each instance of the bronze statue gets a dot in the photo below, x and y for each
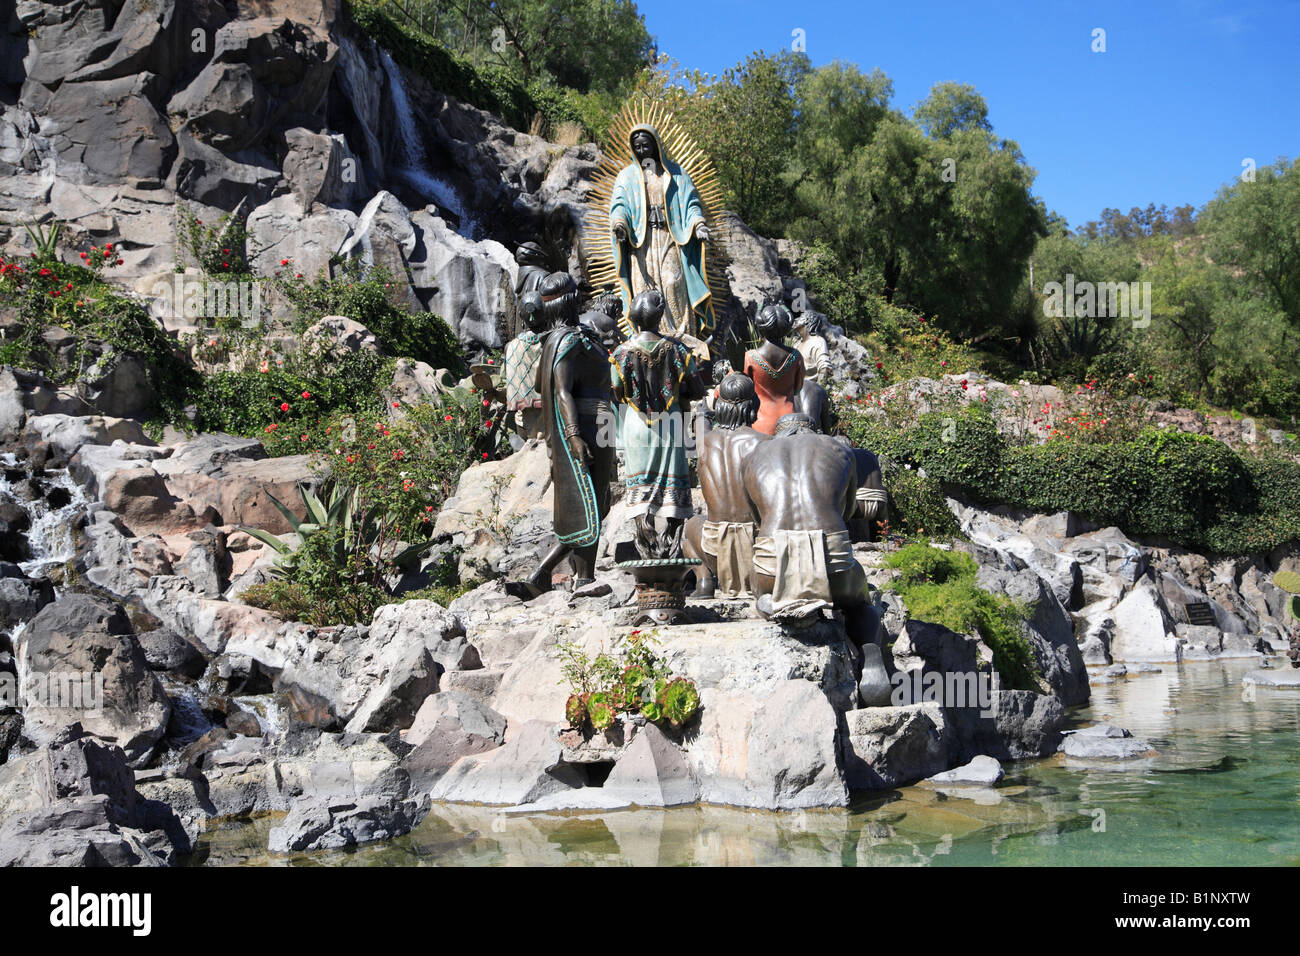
(872, 499)
(655, 378)
(802, 489)
(724, 539)
(602, 318)
(777, 370)
(573, 381)
(523, 355)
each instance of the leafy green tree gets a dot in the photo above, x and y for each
(1254, 227)
(952, 108)
(747, 125)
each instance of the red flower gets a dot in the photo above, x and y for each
(107, 252)
(880, 365)
(284, 406)
(284, 262)
(84, 256)
(306, 394)
(120, 261)
(488, 423)
(446, 418)
(485, 455)
(371, 446)
(397, 404)
(485, 403)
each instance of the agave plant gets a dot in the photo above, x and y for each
(354, 531)
(44, 241)
(679, 700)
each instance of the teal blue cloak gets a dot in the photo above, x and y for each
(684, 211)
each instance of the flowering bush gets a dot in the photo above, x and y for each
(633, 679)
(48, 293)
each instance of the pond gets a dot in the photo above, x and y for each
(1224, 790)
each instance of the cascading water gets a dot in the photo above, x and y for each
(414, 164)
(49, 538)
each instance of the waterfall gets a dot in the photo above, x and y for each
(50, 536)
(413, 163)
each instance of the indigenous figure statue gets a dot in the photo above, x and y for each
(532, 270)
(724, 539)
(720, 370)
(812, 400)
(777, 371)
(802, 488)
(523, 355)
(813, 348)
(602, 318)
(650, 224)
(573, 381)
(872, 499)
(655, 379)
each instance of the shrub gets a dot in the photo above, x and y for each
(939, 586)
(104, 323)
(366, 296)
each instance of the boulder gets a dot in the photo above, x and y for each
(1048, 630)
(73, 802)
(530, 766)
(1105, 742)
(21, 597)
(65, 434)
(1144, 629)
(887, 747)
(652, 772)
(470, 284)
(981, 772)
(85, 665)
(448, 726)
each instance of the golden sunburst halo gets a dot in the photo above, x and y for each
(617, 149)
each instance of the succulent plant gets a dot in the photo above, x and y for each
(652, 711)
(679, 700)
(600, 710)
(633, 684)
(575, 710)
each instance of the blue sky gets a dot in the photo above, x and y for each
(1185, 91)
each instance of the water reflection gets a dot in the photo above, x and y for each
(1224, 790)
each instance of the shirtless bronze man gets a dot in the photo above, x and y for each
(802, 488)
(724, 540)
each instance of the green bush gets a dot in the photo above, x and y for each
(1191, 490)
(366, 296)
(47, 293)
(939, 586)
(251, 403)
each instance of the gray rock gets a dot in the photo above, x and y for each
(888, 747)
(981, 772)
(448, 726)
(21, 597)
(67, 650)
(793, 754)
(528, 767)
(652, 772)
(874, 687)
(1105, 742)
(315, 824)
(165, 650)
(1285, 677)
(1048, 630)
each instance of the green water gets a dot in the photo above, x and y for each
(1224, 790)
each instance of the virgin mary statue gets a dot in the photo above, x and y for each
(657, 236)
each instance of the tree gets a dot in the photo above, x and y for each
(746, 122)
(951, 108)
(1255, 227)
(583, 44)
